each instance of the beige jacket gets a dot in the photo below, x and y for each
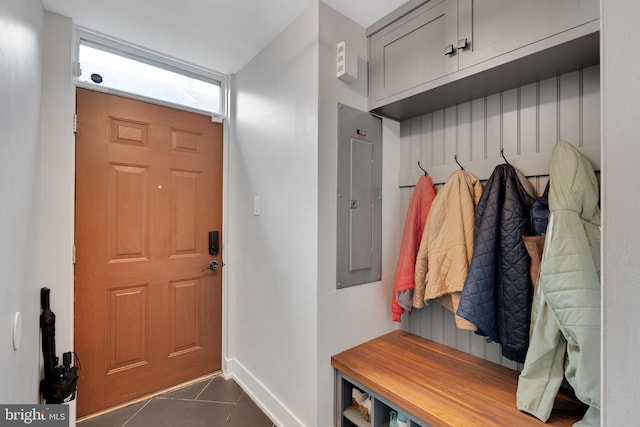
(446, 247)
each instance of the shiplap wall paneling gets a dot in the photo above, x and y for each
(526, 122)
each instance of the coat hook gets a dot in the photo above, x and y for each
(423, 169)
(502, 154)
(455, 157)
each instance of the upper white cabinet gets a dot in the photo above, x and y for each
(427, 55)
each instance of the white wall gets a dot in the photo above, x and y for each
(620, 207)
(284, 150)
(58, 170)
(272, 258)
(22, 246)
(349, 316)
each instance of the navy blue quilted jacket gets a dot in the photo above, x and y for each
(497, 293)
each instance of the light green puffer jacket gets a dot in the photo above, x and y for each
(565, 320)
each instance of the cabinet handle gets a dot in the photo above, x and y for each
(463, 44)
(449, 50)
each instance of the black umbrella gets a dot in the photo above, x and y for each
(48, 326)
(59, 383)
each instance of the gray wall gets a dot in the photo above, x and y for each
(21, 250)
(620, 206)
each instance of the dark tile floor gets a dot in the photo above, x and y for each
(214, 402)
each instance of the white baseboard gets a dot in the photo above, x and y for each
(227, 368)
(261, 395)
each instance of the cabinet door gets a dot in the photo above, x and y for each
(495, 27)
(411, 51)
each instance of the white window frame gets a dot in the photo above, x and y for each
(150, 57)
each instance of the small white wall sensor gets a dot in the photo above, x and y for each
(347, 62)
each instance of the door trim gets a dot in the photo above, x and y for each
(226, 358)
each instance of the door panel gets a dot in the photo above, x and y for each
(184, 212)
(127, 326)
(129, 212)
(148, 191)
(185, 328)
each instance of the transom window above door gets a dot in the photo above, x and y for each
(108, 69)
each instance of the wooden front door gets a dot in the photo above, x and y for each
(148, 191)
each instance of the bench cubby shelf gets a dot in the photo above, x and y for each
(380, 407)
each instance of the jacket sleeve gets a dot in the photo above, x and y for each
(431, 236)
(571, 287)
(477, 300)
(417, 213)
(543, 371)
(420, 274)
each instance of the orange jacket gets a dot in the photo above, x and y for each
(419, 206)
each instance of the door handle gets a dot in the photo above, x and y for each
(463, 44)
(213, 266)
(449, 50)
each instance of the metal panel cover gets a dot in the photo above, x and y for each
(359, 210)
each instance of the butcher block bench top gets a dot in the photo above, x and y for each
(443, 386)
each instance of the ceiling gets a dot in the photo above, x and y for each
(221, 35)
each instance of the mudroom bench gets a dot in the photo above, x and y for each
(432, 385)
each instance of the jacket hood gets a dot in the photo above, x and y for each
(573, 183)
